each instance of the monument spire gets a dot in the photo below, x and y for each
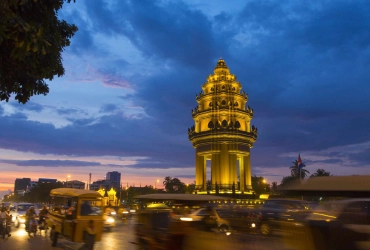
(222, 132)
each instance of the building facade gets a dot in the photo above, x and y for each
(222, 133)
(75, 184)
(47, 180)
(115, 179)
(20, 185)
(100, 184)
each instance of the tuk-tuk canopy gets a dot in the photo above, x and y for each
(73, 192)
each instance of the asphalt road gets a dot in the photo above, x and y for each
(122, 237)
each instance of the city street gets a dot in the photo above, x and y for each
(122, 237)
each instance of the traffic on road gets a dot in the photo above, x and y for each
(279, 224)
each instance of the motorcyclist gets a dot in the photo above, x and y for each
(30, 216)
(42, 215)
(4, 215)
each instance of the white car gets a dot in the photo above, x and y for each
(18, 213)
(214, 214)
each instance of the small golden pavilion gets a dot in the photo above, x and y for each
(222, 133)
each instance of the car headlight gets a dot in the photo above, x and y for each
(253, 225)
(22, 220)
(186, 219)
(110, 220)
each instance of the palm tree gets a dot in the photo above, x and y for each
(294, 171)
(321, 172)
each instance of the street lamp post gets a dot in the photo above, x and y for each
(68, 176)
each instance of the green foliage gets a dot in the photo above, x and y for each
(259, 185)
(287, 179)
(321, 172)
(41, 192)
(31, 41)
(189, 189)
(274, 188)
(173, 185)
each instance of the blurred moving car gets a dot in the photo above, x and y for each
(213, 218)
(226, 219)
(109, 222)
(342, 224)
(243, 220)
(124, 213)
(18, 213)
(282, 215)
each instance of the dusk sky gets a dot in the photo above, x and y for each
(134, 67)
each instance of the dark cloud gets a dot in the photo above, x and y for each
(69, 111)
(360, 158)
(32, 106)
(170, 31)
(184, 176)
(52, 163)
(109, 107)
(110, 135)
(126, 97)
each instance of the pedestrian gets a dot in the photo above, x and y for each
(89, 236)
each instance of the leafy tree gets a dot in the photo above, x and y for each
(274, 187)
(31, 41)
(41, 192)
(190, 188)
(173, 185)
(287, 179)
(321, 172)
(294, 171)
(131, 193)
(259, 185)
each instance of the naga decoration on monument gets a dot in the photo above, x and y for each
(222, 134)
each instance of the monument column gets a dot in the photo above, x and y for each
(248, 176)
(224, 167)
(242, 174)
(215, 169)
(232, 171)
(199, 171)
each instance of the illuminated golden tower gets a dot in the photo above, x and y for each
(222, 133)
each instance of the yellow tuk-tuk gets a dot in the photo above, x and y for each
(71, 211)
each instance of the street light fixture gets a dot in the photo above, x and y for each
(155, 184)
(68, 176)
